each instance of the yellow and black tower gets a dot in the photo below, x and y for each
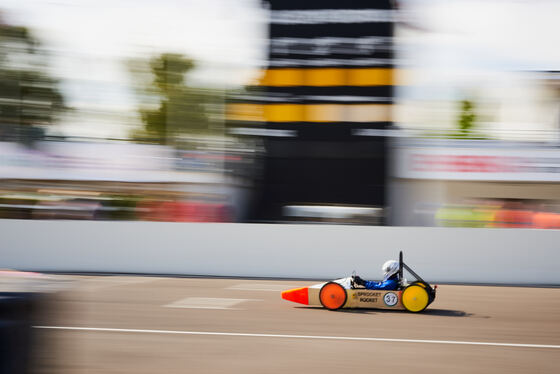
(327, 83)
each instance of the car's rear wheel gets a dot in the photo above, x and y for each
(415, 298)
(429, 289)
(333, 296)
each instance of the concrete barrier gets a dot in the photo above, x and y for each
(506, 256)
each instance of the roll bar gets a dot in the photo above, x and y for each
(405, 266)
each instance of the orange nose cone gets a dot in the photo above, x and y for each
(297, 295)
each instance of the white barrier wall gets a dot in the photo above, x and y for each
(293, 251)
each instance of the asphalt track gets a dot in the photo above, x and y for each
(119, 324)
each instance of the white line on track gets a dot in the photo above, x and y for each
(348, 338)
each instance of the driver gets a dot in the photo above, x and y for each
(390, 278)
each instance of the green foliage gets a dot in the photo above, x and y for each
(29, 97)
(467, 119)
(180, 110)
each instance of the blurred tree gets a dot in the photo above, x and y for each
(29, 97)
(467, 119)
(178, 110)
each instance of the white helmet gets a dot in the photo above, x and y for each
(389, 269)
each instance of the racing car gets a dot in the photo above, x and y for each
(344, 293)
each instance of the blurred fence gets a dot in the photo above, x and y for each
(507, 256)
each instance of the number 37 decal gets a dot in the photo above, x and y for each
(390, 299)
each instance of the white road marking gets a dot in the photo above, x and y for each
(319, 337)
(261, 287)
(207, 303)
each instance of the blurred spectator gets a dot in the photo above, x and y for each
(184, 211)
(513, 214)
(546, 220)
(465, 216)
(67, 209)
(498, 214)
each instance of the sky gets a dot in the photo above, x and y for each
(91, 40)
(489, 34)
